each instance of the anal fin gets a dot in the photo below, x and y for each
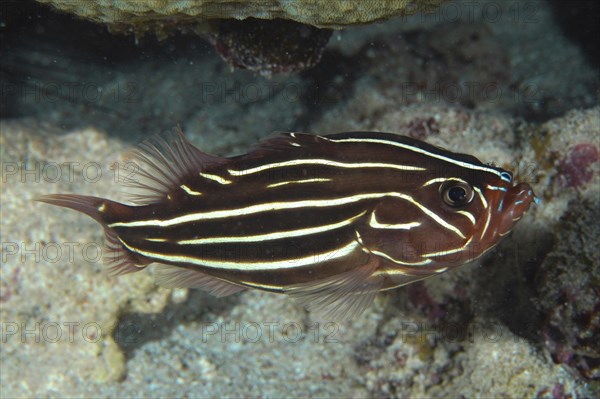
(343, 296)
(179, 277)
(118, 259)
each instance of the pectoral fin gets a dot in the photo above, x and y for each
(343, 296)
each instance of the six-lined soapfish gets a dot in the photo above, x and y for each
(329, 220)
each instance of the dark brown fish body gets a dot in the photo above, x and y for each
(330, 220)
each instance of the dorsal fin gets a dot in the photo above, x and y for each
(163, 161)
(284, 142)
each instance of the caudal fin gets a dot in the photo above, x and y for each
(82, 203)
(117, 258)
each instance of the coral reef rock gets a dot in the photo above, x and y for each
(250, 44)
(570, 291)
(319, 13)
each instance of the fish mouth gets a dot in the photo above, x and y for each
(516, 203)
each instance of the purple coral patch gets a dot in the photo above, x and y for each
(576, 166)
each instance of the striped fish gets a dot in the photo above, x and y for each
(329, 220)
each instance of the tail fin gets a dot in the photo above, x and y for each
(118, 259)
(81, 203)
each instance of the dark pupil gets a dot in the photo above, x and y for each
(457, 194)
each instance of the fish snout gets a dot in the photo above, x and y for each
(517, 201)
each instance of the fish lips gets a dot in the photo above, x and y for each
(512, 205)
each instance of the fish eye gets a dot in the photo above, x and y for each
(506, 176)
(456, 194)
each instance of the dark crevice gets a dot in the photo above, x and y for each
(61, 61)
(579, 22)
(330, 83)
(515, 291)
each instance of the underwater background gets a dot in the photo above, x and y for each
(515, 83)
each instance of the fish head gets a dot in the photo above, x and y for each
(468, 212)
